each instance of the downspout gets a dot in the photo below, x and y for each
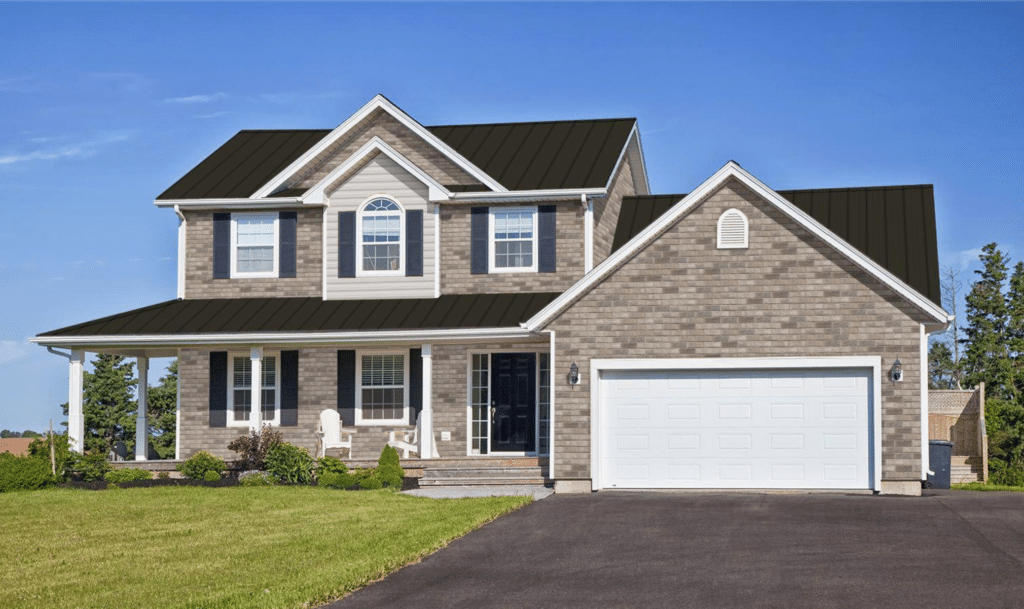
(54, 351)
(182, 236)
(588, 234)
(551, 408)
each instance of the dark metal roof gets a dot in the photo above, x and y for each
(892, 225)
(521, 156)
(245, 315)
(244, 164)
(543, 155)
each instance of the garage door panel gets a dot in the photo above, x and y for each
(735, 429)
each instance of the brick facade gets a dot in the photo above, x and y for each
(199, 281)
(606, 211)
(789, 294)
(456, 277)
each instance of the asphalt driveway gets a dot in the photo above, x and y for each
(616, 549)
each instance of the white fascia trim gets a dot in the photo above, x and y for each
(274, 338)
(202, 204)
(633, 134)
(643, 165)
(569, 194)
(317, 195)
(874, 362)
(379, 102)
(728, 171)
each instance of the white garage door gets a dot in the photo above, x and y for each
(736, 429)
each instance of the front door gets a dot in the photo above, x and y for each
(513, 402)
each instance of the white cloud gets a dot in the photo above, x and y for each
(212, 115)
(78, 150)
(196, 99)
(12, 351)
(22, 84)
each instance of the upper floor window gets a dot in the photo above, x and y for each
(240, 391)
(381, 244)
(254, 242)
(513, 239)
(733, 232)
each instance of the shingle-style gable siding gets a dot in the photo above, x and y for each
(456, 275)
(395, 134)
(606, 211)
(199, 281)
(788, 295)
(380, 176)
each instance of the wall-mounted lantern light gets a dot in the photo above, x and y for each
(896, 374)
(574, 374)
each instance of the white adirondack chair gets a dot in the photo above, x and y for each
(332, 435)
(410, 441)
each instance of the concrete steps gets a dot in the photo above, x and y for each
(482, 476)
(965, 469)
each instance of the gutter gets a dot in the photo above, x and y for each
(205, 204)
(526, 195)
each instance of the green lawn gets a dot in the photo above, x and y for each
(229, 547)
(981, 486)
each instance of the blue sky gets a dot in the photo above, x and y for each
(104, 106)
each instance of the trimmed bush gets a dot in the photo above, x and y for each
(90, 467)
(252, 449)
(372, 484)
(211, 476)
(128, 474)
(290, 464)
(336, 480)
(23, 473)
(199, 464)
(330, 465)
(256, 478)
(163, 476)
(389, 469)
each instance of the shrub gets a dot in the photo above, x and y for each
(211, 476)
(23, 473)
(252, 449)
(336, 480)
(198, 464)
(256, 478)
(330, 465)
(371, 484)
(128, 474)
(389, 470)
(163, 476)
(290, 464)
(62, 455)
(90, 467)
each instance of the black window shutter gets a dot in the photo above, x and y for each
(346, 244)
(414, 243)
(546, 238)
(415, 383)
(218, 389)
(289, 388)
(221, 246)
(347, 386)
(479, 238)
(286, 231)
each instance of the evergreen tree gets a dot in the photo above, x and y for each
(162, 412)
(985, 347)
(941, 368)
(1015, 332)
(109, 403)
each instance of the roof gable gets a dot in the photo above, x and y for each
(732, 170)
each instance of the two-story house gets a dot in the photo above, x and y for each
(517, 290)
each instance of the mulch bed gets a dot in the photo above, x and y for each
(102, 485)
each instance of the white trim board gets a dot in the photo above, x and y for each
(874, 362)
(379, 102)
(732, 170)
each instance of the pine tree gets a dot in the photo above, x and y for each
(109, 403)
(941, 368)
(162, 412)
(1015, 332)
(985, 354)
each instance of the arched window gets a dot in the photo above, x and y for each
(381, 224)
(733, 232)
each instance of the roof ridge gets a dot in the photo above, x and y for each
(835, 188)
(569, 120)
(283, 130)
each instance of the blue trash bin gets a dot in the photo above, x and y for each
(940, 456)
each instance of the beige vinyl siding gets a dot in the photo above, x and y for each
(379, 176)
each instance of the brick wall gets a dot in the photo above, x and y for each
(199, 281)
(787, 295)
(456, 277)
(606, 211)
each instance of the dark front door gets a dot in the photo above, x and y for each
(513, 401)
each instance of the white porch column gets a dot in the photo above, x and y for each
(256, 413)
(177, 413)
(76, 414)
(141, 429)
(427, 414)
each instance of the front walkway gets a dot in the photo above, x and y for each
(947, 549)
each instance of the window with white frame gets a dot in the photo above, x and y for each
(513, 239)
(543, 403)
(383, 398)
(480, 401)
(240, 391)
(254, 245)
(381, 223)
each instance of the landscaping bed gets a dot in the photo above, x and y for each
(102, 485)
